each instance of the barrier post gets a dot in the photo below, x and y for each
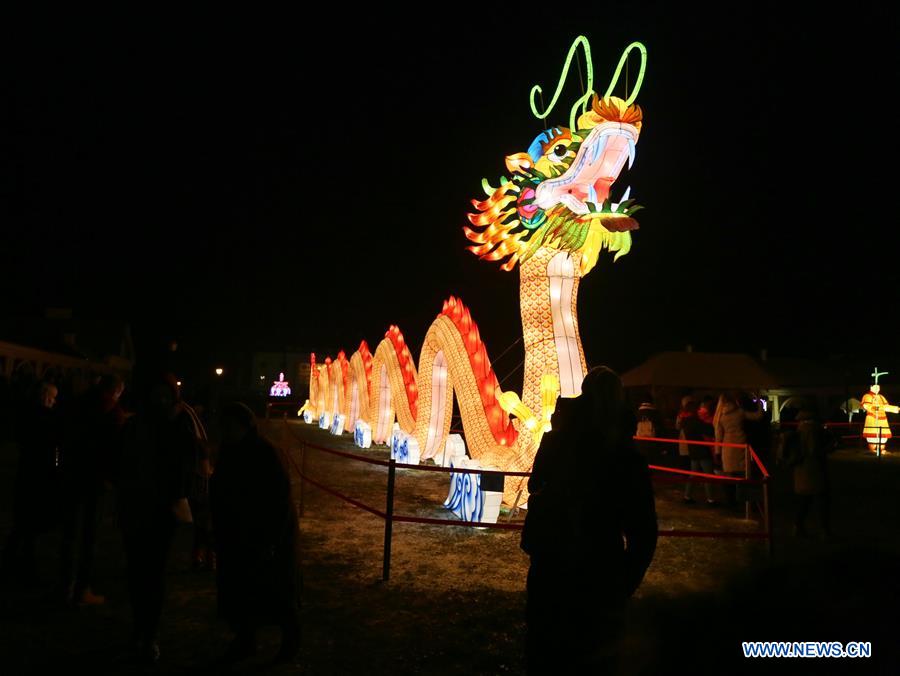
(746, 476)
(388, 521)
(768, 515)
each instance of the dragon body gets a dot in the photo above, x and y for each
(551, 217)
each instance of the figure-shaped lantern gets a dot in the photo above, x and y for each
(280, 388)
(877, 430)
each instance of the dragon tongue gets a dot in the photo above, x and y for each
(618, 223)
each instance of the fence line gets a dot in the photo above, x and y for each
(389, 517)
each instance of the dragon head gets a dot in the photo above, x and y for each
(560, 193)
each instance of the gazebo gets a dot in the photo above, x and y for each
(669, 375)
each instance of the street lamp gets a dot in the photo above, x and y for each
(219, 371)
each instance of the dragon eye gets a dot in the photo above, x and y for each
(559, 152)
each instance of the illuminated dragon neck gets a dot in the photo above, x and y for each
(548, 295)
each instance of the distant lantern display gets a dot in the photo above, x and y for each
(877, 429)
(558, 208)
(280, 388)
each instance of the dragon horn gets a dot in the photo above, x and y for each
(640, 77)
(581, 102)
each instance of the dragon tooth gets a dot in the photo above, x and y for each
(592, 194)
(599, 147)
(625, 196)
(631, 152)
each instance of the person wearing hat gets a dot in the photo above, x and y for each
(649, 425)
(255, 534)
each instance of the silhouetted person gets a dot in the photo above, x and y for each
(730, 421)
(694, 429)
(649, 424)
(158, 456)
(203, 554)
(255, 528)
(94, 425)
(686, 414)
(590, 531)
(758, 431)
(35, 505)
(807, 453)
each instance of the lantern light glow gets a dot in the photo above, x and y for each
(552, 218)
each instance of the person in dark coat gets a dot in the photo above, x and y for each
(590, 531)
(159, 453)
(93, 428)
(255, 529)
(808, 448)
(701, 457)
(35, 493)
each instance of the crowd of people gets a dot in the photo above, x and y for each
(713, 434)
(156, 460)
(589, 545)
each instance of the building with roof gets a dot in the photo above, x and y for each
(830, 385)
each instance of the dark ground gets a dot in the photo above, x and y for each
(455, 601)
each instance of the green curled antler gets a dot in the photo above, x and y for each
(640, 77)
(582, 101)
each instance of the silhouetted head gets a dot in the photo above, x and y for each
(237, 421)
(727, 402)
(605, 408)
(807, 414)
(111, 385)
(162, 397)
(47, 395)
(603, 392)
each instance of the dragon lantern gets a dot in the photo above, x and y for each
(552, 217)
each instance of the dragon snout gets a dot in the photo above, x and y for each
(518, 162)
(597, 165)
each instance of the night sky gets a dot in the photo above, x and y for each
(275, 181)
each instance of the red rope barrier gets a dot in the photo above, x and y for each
(351, 456)
(712, 534)
(448, 522)
(420, 468)
(519, 526)
(457, 470)
(341, 496)
(713, 477)
(692, 442)
(827, 425)
(762, 467)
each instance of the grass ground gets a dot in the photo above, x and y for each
(455, 601)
